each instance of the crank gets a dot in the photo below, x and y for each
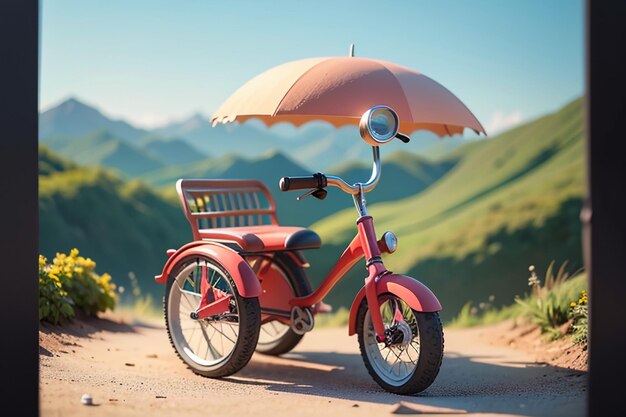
(301, 320)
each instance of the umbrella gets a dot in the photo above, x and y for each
(340, 89)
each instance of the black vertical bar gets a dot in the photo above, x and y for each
(605, 213)
(19, 20)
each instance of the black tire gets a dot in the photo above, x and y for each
(249, 316)
(300, 285)
(431, 342)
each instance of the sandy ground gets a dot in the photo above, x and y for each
(131, 370)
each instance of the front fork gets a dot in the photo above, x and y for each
(375, 268)
(371, 294)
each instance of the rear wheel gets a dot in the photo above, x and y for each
(409, 361)
(275, 337)
(219, 345)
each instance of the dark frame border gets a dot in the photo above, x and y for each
(604, 214)
(19, 36)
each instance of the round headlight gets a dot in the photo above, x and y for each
(391, 241)
(378, 125)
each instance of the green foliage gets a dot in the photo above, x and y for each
(49, 162)
(70, 284)
(54, 303)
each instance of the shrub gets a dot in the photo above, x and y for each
(54, 304)
(548, 305)
(70, 283)
(579, 314)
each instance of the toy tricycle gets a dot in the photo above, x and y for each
(241, 284)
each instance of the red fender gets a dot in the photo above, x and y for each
(417, 295)
(245, 279)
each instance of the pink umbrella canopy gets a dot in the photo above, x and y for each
(340, 89)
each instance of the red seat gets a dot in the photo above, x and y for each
(265, 238)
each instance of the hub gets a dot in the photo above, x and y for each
(399, 334)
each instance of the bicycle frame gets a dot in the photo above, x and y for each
(365, 245)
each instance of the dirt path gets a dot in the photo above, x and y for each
(133, 371)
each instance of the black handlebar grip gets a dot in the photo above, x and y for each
(315, 181)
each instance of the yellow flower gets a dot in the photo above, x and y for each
(74, 253)
(42, 260)
(572, 304)
(580, 301)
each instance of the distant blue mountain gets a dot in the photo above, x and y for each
(74, 118)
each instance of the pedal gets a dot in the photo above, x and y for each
(302, 320)
(322, 308)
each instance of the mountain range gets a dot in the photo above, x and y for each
(315, 146)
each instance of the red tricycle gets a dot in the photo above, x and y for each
(241, 285)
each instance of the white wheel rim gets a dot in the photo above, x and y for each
(395, 364)
(201, 342)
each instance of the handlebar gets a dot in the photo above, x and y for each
(315, 181)
(319, 180)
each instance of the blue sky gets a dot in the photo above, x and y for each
(153, 61)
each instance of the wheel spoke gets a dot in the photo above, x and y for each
(210, 347)
(222, 333)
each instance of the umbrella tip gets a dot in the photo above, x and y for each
(351, 50)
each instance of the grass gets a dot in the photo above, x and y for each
(472, 315)
(552, 305)
(337, 318)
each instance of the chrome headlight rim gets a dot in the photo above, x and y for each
(391, 241)
(367, 123)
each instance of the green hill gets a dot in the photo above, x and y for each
(509, 202)
(405, 174)
(124, 226)
(50, 163)
(171, 151)
(102, 148)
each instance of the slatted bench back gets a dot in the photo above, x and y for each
(225, 203)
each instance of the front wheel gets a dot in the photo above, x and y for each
(409, 361)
